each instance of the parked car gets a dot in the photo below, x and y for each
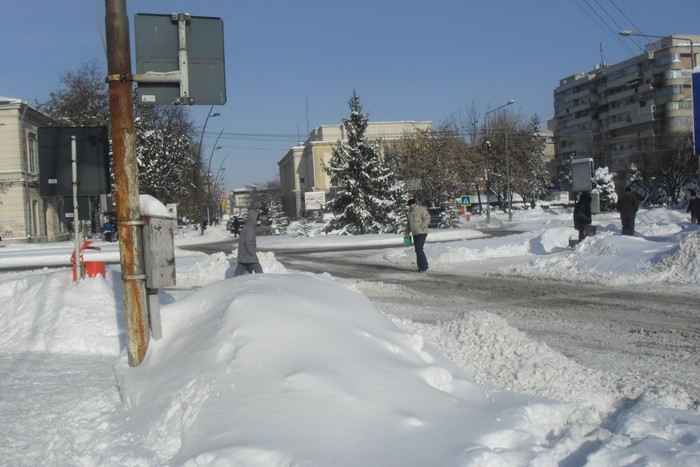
(435, 217)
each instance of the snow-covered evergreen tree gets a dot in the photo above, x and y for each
(604, 184)
(370, 198)
(303, 226)
(449, 218)
(277, 220)
(267, 202)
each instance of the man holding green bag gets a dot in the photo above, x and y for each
(418, 220)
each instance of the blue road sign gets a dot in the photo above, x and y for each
(466, 200)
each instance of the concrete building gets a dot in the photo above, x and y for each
(301, 169)
(238, 202)
(25, 216)
(627, 112)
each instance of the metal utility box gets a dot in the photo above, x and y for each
(159, 251)
(582, 175)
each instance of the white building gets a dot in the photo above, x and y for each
(25, 216)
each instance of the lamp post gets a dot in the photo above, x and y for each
(198, 175)
(211, 156)
(488, 183)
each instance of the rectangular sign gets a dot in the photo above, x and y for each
(314, 200)
(466, 200)
(157, 51)
(55, 161)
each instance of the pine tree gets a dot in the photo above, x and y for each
(370, 198)
(605, 186)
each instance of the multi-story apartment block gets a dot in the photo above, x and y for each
(301, 169)
(629, 112)
(238, 202)
(25, 216)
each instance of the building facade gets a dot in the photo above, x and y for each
(627, 112)
(25, 216)
(301, 169)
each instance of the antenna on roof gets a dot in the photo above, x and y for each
(602, 59)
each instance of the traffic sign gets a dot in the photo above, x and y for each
(466, 200)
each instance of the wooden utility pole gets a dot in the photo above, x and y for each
(129, 222)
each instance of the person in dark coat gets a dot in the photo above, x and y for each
(236, 226)
(582, 214)
(694, 208)
(108, 229)
(628, 205)
(248, 247)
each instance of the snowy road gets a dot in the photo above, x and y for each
(640, 338)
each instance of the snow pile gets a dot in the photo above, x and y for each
(307, 358)
(48, 313)
(682, 264)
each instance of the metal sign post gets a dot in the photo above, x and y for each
(78, 263)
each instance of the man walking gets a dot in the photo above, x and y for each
(248, 247)
(418, 220)
(628, 205)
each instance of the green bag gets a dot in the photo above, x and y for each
(407, 240)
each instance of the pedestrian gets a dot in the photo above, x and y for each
(582, 214)
(628, 205)
(418, 221)
(694, 208)
(107, 230)
(248, 247)
(236, 226)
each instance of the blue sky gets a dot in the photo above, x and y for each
(292, 65)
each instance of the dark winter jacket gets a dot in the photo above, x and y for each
(247, 244)
(628, 204)
(582, 211)
(694, 208)
(418, 220)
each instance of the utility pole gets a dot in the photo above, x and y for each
(129, 222)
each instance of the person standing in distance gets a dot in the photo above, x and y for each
(694, 208)
(628, 205)
(418, 220)
(248, 247)
(582, 214)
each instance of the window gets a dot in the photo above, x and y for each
(32, 163)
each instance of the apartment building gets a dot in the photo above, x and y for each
(25, 216)
(629, 112)
(301, 169)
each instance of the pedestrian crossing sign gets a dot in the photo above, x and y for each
(466, 200)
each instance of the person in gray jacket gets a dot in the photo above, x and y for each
(418, 221)
(248, 247)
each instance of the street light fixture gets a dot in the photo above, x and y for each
(198, 174)
(627, 32)
(488, 183)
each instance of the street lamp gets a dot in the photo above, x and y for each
(198, 174)
(488, 183)
(211, 156)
